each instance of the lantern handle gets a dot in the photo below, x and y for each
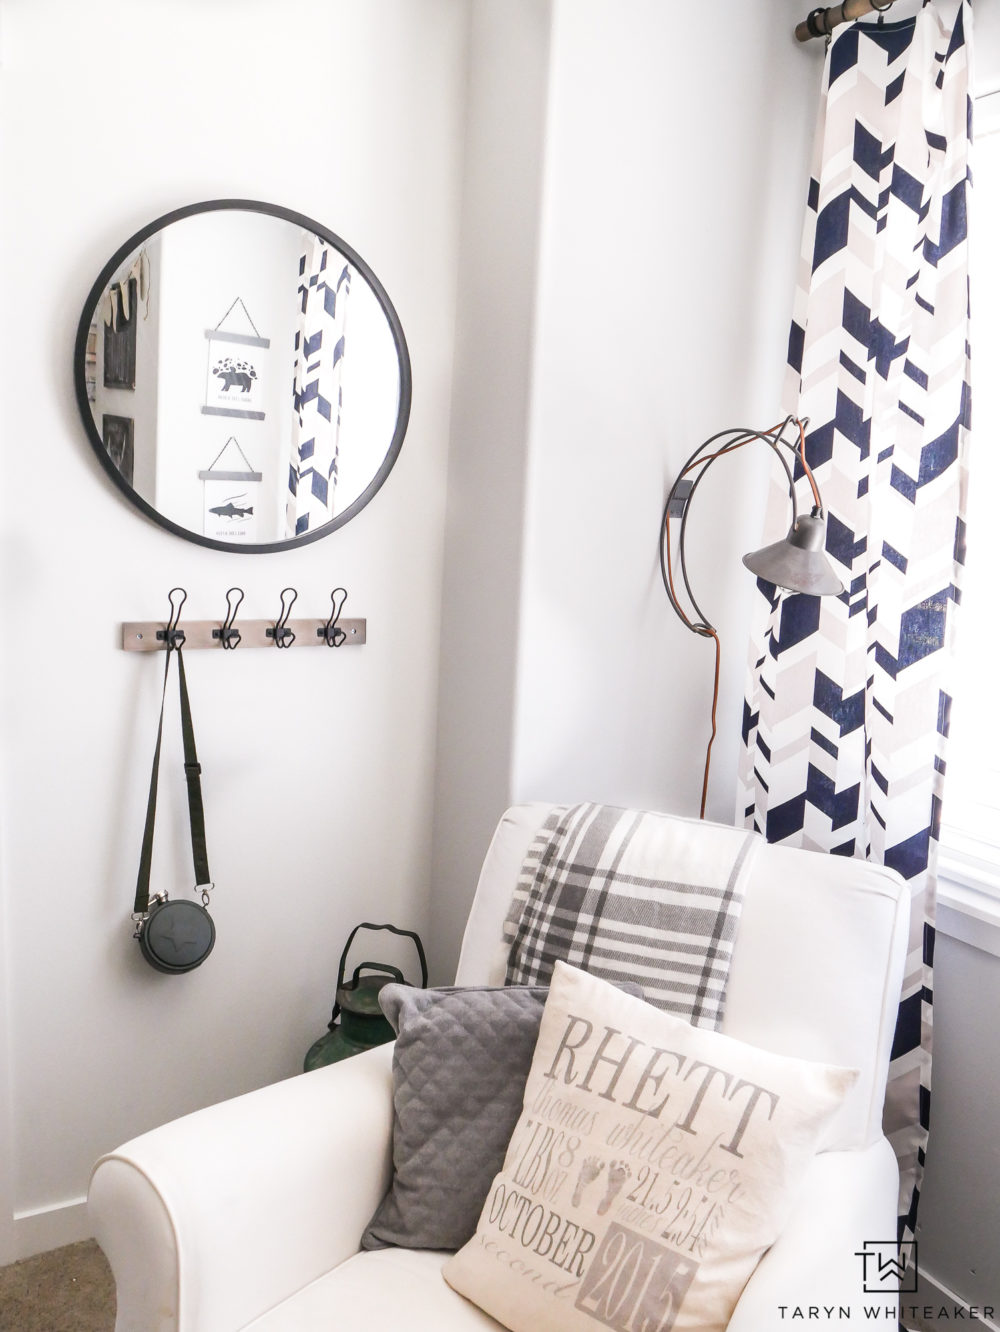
(367, 925)
(381, 967)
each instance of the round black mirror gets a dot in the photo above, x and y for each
(242, 376)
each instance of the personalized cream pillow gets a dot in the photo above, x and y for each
(652, 1165)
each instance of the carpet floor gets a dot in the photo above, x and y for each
(67, 1290)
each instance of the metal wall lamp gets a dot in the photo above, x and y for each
(797, 563)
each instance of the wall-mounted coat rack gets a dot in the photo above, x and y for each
(282, 631)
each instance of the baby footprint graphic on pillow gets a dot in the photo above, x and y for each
(618, 1173)
(590, 1168)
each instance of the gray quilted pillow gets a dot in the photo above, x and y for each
(460, 1064)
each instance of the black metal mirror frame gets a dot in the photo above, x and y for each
(80, 381)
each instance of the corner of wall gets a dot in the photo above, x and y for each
(508, 74)
(8, 1238)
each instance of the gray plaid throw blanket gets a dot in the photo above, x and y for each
(632, 896)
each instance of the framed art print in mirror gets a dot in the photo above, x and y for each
(242, 376)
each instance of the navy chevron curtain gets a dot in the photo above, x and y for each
(317, 390)
(846, 713)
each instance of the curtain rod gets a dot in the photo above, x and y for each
(821, 22)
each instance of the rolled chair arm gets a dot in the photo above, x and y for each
(847, 1198)
(213, 1219)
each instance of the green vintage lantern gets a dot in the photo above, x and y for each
(362, 1023)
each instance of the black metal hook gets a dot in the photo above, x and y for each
(231, 637)
(172, 636)
(282, 635)
(330, 633)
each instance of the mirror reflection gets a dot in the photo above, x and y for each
(243, 376)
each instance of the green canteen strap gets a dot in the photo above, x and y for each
(141, 907)
(192, 771)
(196, 812)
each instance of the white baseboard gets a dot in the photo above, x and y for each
(47, 1228)
(934, 1295)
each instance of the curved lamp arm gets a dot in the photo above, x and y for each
(797, 562)
(682, 492)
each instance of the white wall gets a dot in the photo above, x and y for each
(318, 767)
(676, 165)
(504, 144)
(609, 320)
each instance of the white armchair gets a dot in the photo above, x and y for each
(249, 1214)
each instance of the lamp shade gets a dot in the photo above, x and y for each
(798, 562)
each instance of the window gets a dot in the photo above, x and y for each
(970, 842)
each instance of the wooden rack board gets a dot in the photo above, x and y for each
(141, 635)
